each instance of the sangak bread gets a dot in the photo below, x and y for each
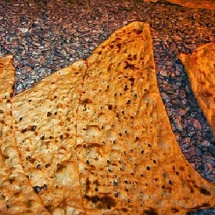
(16, 194)
(95, 138)
(205, 4)
(129, 160)
(200, 68)
(45, 129)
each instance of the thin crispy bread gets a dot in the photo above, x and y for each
(200, 68)
(102, 143)
(129, 160)
(204, 4)
(16, 194)
(45, 118)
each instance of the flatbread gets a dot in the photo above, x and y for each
(45, 129)
(16, 194)
(129, 160)
(204, 4)
(94, 138)
(200, 68)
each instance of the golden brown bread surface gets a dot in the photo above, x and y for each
(129, 160)
(95, 138)
(16, 194)
(45, 118)
(200, 68)
(204, 4)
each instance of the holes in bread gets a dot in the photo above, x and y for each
(131, 80)
(37, 189)
(128, 102)
(115, 183)
(49, 114)
(137, 138)
(204, 191)
(47, 165)
(125, 87)
(43, 137)
(170, 182)
(110, 107)
(45, 187)
(38, 166)
(116, 194)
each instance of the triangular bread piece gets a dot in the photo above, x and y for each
(16, 194)
(129, 160)
(45, 118)
(200, 68)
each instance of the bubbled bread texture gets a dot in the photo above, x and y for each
(95, 138)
